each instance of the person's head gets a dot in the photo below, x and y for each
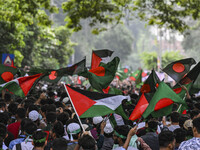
(51, 117)
(23, 123)
(182, 120)
(74, 130)
(120, 134)
(58, 130)
(30, 128)
(39, 139)
(59, 144)
(21, 113)
(196, 127)
(63, 117)
(87, 142)
(4, 117)
(12, 108)
(108, 130)
(166, 140)
(180, 135)
(174, 117)
(152, 125)
(3, 134)
(97, 120)
(51, 108)
(2, 106)
(33, 115)
(194, 114)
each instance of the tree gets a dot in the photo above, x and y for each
(168, 13)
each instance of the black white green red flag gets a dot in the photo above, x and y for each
(21, 86)
(91, 104)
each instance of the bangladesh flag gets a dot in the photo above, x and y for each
(176, 70)
(151, 83)
(123, 73)
(7, 73)
(162, 102)
(53, 76)
(140, 107)
(137, 76)
(21, 86)
(99, 56)
(187, 81)
(91, 104)
(102, 76)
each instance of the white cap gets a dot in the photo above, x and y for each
(33, 115)
(108, 128)
(97, 120)
(73, 128)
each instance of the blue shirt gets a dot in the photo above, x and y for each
(192, 144)
(16, 141)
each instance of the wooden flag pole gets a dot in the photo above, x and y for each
(74, 108)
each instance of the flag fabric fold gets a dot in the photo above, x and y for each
(91, 104)
(176, 70)
(21, 86)
(162, 101)
(99, 56)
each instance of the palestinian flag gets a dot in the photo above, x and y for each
(162, 102)
(21, 86)
(176, 70)
(102, 76)
(140, 107)
(151, 83)
(187, 81)
(7, 73)
(91, 104)
(137, 76)
(99, 56)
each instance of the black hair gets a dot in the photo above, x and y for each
(12, 108)
(165, 138)
(152, 125)
(7, 97)
(174, 116)
(24, 122)
(122, 130)
(4, 117)
(50, 101)
(180, 135)
(2, 105)
(21, 113)
(59, 144)
(3, 134)
(194, 113)
(182, 120)
(38, 135)
(30, 128)
(87, 142)
(33, 107)
(51, 108)
(51, 117)
(196, 124)
(58, 129)
(63, 117)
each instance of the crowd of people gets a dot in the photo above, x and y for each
(46, 120)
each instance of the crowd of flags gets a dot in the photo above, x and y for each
(156, 98)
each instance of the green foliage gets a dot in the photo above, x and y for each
(18, 58)
(149, 59)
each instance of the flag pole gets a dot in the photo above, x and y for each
(74, 108)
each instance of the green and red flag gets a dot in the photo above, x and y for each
(91, 104)
(176, 70)
(162, 101)
(140, 107)
(137, 76)
(7, 73)
(101, 77)
(99, 56)
(53, 76)
(151, 83)
(187, 81)
(123, 73)
(21, 86)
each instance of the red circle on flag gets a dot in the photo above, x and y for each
(53, 75)
(132, 78)
(7, 76)
(146, 88)
(164, 102)
(125, 70)
(178, 67)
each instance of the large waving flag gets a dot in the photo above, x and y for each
(176, 70)
(53, 76)
(102, 76)
(151, 83)
(7, 73)
(21, 86)
(99, 56)
(162, 101)
(91, 104)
